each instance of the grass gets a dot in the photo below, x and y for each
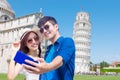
(77, 77)
(19, 77)
(94, 77)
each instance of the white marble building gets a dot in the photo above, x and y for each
(81, 36)
(10, 28)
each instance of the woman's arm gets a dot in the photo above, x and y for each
(14, 68)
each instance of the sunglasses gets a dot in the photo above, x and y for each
(46, 27)
(36, 39)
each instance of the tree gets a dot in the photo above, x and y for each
(91, 66)
(104, 64)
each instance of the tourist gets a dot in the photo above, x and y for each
(59, 59)
(29, 44)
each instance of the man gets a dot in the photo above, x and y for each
(58, 62)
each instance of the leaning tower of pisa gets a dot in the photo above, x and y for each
(81, 36)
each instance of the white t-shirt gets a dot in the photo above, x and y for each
(30, 76)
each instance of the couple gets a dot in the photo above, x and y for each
(59, 59)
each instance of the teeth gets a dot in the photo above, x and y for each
(47, 33)
(34, 45)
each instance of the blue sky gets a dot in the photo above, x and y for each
(104, 17)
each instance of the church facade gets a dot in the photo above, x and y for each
(10, 31)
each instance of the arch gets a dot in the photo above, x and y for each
(4, 18)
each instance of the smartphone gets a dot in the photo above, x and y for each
(21, 56)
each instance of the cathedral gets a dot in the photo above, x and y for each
(10, 30)
(11, 27)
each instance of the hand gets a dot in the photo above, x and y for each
(15, 48)
(16, 45)
(39, 68)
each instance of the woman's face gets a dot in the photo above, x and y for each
(32, 42)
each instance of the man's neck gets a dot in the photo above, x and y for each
(55, 38)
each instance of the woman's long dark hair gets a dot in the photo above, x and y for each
(23, 43)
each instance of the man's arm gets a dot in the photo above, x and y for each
(56, 63)
(43, 67)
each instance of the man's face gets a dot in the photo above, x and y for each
(49, 31)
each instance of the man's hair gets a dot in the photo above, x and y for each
(43, 20)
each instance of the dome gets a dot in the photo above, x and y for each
(5, 5)
(6, 13)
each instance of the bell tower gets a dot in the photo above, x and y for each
(81, 36)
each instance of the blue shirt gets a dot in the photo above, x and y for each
(65, 48)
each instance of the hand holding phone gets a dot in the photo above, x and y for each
(21, 56)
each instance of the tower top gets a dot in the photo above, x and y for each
(81, 8)
(40, 10)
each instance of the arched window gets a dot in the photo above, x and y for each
(4, 18)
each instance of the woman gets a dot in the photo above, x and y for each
(30, 45)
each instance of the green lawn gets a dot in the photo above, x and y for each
(4, 77)
(77, 77)
(94, 77)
